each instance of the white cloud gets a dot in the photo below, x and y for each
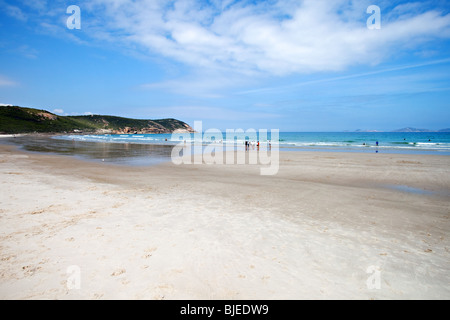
(276, 37)
(14, 11)
(6, 82)
(58, 111)
(62, 113)
(212, 85)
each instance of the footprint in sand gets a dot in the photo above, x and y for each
(118, 272)
(30, 270)
(149, 252)
(37, 212)
(162, 291)
(7, 258)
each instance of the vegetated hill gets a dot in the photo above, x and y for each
(14, 119)
(444, 130)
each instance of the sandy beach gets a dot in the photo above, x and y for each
(327, 226)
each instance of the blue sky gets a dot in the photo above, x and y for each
(288, 65)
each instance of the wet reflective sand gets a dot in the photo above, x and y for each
(116, 153)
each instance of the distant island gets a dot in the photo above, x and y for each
(420, 130)
(408, 129)
(15, 120)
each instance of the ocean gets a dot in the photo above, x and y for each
(388, 142)
(151, 149)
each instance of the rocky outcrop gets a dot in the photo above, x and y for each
(154, 127)
(47, 116)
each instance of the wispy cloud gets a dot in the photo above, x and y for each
(6, 82)
(279, 37)
(211, 85)
(346, 77)
(200, 88)
(27, 52)
(48, 17)
(59, 31)
(13, 11)
(276, 37)
(39, 5)
(209, 113)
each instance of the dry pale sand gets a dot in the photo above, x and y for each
(225, 232)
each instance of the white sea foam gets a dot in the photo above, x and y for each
(307, 141)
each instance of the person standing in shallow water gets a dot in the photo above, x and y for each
(376, 143)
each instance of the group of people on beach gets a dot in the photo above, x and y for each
(376, 144)
(252, 145)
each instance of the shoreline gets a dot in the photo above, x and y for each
(224, 232)
(141, 160)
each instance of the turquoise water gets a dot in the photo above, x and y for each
(388, 142)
